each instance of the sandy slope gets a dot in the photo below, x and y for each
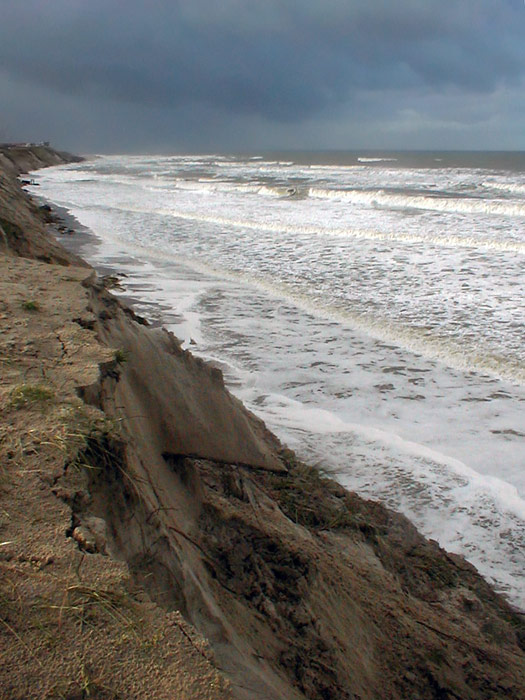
(71, 624)
(142, 506)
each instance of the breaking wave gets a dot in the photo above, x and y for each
(209, 185)
(377, 160)
(512, 187)
(384, 199)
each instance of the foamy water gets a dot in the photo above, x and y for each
(369, 309)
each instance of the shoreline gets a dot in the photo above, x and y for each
(462, 509)
(303, 590)
(157, 317)
(82, 242)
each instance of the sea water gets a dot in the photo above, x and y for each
(369, 307)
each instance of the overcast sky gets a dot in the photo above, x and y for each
(167, 75)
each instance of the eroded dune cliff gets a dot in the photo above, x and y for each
(261, 578)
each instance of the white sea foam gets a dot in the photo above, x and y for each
(446, 240)
(416, 340)
(318, 421)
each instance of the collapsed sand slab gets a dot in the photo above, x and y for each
(171, 401)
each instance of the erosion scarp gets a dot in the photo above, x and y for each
(157, 541)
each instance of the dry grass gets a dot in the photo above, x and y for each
(309, 497)
(92, 606)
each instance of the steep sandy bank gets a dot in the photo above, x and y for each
(302, 589)
(22, 159)
(71, 625)
(22, 223)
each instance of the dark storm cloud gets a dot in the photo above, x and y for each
(199, 74)
(281, 60)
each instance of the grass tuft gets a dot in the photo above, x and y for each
(30, 306)
(309, 498)
(121, 356)
(90, 605)
(27, 394)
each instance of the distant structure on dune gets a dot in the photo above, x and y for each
(24, 144)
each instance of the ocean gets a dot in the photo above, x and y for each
(368, 306)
